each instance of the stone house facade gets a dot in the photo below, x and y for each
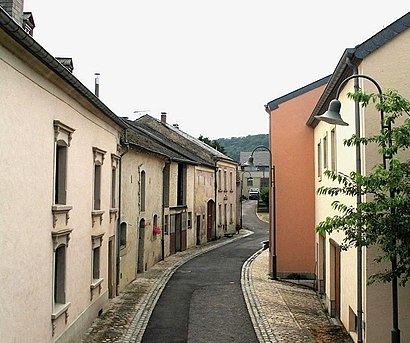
(58, 220)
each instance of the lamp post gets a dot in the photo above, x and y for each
(332, 116)
(272, 207)
(250, 177)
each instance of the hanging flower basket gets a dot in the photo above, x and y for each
(156, 230)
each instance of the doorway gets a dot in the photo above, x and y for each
(210, 222)
(141, 244)
(334, 280)
(111, 268)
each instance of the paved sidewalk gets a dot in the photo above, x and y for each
(280, 311)
(289, 312)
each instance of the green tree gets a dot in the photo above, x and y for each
(384, 219)
(212, 143)
(265, 195)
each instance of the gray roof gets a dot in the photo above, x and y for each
(272, 105)
(174, 143)
(260, 158)
(356, 55)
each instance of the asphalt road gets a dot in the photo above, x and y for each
(203, 300)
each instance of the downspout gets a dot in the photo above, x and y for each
(126, 144)
(358, 202)
(216, 195)
(163, 211)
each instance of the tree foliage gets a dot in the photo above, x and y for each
(265, 195)
(212, 143)
(234, 145)
(384, 219)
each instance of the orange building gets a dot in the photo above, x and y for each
(291, 145)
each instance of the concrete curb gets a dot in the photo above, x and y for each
(260, 323)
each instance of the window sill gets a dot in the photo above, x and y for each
(59, 309)
(96, 283)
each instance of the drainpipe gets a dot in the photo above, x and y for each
(126, 143)
(358, 202)
(163, 210)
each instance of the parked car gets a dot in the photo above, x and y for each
(254, 193)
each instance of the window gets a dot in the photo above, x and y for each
(98, 162)
(59, 275)
(166, 185)
(225, 189)
(60, 243)
(114, 167)
(96, 263)
(166, 224)
(61, 174)
(189, 220)
(319, 161)
(231, 181)
(142, 191)
(325, 153)
(333, 150)
(181, 186)
(97, 187)
(123, 235)
(220, 214)
(220, 180)
(62, 137)
(230, 214)
(96, 280)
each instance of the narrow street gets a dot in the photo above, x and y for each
(203, 300)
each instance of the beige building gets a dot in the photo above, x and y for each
(384, 57)
(59, 186)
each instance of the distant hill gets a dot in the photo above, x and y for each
(234, 145)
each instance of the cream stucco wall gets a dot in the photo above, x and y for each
(345, 163)
(204, 191)
(30, 104)
(390, 67)
(133, 164)
(226, 198)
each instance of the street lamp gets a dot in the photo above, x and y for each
(250, 178)
(332, 116)
(272, 207)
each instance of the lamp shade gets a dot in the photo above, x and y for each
(332, 115)
(249, 163)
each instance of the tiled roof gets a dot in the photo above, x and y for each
(260, 158)
(175, 141)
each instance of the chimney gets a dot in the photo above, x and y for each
(28, 23)
(163, 117)
(97, 85)
(14, 8)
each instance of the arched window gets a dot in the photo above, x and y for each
(59, 275)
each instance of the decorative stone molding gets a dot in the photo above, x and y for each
(115, 160)
(58, 310)
(61, 237)
(113, 214)
(97, 214)
(96, 240)
(62, 132)
(59, 211)
(95, 285)
(99, 155)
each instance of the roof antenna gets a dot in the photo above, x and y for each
(97, 85)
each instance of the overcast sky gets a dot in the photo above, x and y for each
(211, 65)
